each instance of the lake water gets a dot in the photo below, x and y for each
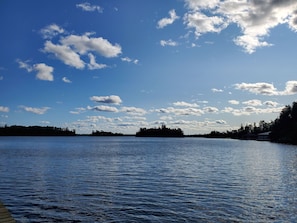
(128, 179)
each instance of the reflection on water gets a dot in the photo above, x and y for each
(127, 179)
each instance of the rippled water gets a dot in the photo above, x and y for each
(127, 179)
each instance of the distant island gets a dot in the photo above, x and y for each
(102, 133)
(16, 130)
(162, 131)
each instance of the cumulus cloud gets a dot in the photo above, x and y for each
(254, 102)
(38, 111)
(112, 99)
(133, 110)
(85, 43)
(103, 108)
(51, 31)
(44, 72)
(268, 89)
(168, 43)
(71, 48)
(167, 21)
(66, 80)
(210, 109)
(255, 18)
(270, 103)
(86, 6)
(65, 54)
(4, 109)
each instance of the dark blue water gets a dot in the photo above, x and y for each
(127, 179)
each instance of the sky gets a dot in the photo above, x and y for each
(121, 65)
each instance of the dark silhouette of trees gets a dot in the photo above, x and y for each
(102, 133)
(160, 132)
(284, 129)
(16, 130)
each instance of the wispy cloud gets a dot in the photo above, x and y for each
(38, 111)
(129, 60)
(167, 21)
(215, 90)
(66, 80)
(168, 43)
(51, 31)
(93, 65)
(4, 109)
(86, 6)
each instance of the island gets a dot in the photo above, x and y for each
(17, 130)
(162, 131)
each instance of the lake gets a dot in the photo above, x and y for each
(129, 179)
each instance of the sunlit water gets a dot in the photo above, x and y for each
(128, 179)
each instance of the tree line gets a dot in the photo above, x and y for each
(16, 130)
(282, 130)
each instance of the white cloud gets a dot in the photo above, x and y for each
(129, 60)
(78, 111)
(254, 102)
(167, 21)
(168, 43)
(38, 111)
(181, 111)
(255, 18)
(66, 80)
(86, 6)
(83, 44)
(44, 72)
(257, 88)
(133, 110)
(268, 89)
(204, 24)
(270, 103)
(103, 108)
(25, 65)
(93, 65)
(215, 90)
(51, 31)
(4, 109)
(185, 104)
(249, 110)
(210, 109)
(112, 99)
(234, 102)
(65, 54)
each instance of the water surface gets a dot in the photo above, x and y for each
(128, 179)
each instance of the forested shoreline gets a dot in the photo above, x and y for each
(282, 130)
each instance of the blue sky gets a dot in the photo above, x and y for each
(124, 64)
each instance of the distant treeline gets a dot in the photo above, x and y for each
(283, 129)
(102, 133)
(160, 132)
(17, 130)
